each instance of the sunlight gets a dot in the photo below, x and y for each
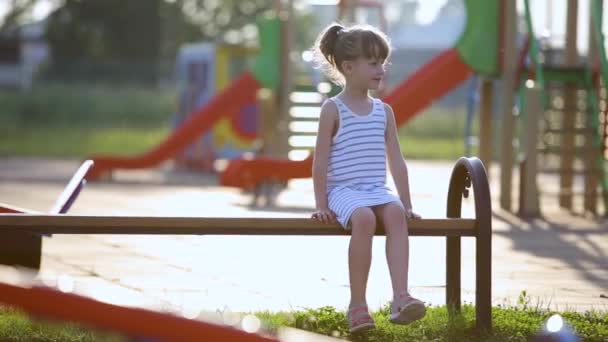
(555, 323)
(305, 97)
(297, 155)
(65, 283)
(304, 112)
(302, 141)
(428, 10)
(303, 126)
(251, 324)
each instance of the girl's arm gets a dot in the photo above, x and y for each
(327, 126)
(396, 162)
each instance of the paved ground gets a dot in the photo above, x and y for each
(561, 261)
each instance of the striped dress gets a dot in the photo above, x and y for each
(356, 174)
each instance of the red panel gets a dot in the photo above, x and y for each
(433, 80)
(230, 100)
(46, 302)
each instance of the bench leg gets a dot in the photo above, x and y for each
(483, 268)
(453, 282)
(467, 172)
(18, 249)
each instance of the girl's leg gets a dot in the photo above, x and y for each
(405, 308)
(363, 227)
(397, 244)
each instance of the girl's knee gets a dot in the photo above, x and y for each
(395, 206)
(393, 211)
(363, 220)
(394, 218)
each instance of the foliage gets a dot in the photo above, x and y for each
(120, 35)
(509, 324)
(17, 11)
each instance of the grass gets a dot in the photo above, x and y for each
(432, 148)
(65, 142)
(75, 121)
(86, 105)
(510, 324)
(15, 326)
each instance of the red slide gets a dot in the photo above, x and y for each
(433, 80)
(240, 92)
(147, 325)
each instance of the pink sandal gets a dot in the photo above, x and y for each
(359, 319)
(406, 309)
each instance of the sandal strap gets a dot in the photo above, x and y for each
(357, 310)
(361, 320)
(404, 295)
(402, 300)
(358, 315)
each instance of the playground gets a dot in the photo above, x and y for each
(558, 263)
(200, 224)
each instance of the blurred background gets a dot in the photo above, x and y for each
(105, 76)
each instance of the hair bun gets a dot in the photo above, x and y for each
(328, 41)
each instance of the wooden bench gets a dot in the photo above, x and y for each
(466, 172)
(25, 249)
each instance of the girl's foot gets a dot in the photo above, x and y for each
(406, 309)
(359, 319)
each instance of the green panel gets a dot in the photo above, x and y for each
(593, 103)
(478, 45)
(597, 11)
(534, 50)
(266, 67)
(564, 74)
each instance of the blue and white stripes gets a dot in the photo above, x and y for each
(357, 154)
(356, 174)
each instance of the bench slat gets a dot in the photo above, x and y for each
(75, 224)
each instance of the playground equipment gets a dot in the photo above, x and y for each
(203, 69)
(287, 120)
(24, 249)
(563, 118)
(42, 301)
(467, 172)
(228, 103)
(572, 100)
(431, 81)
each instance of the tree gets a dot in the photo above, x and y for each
(105, 38)
(215, 17)
(143, 32)
(17, 11)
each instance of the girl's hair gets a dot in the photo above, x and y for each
(337, 44)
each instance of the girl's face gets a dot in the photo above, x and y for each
(365, 72)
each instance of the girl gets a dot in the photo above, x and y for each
(356, 135)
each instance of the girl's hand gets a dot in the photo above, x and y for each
(409, 214)
(324, 215)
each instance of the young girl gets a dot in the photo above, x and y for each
(356, 135)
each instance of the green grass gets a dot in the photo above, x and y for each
(16, 327)
(64, 142)
(77, 120)
(86, 105)
(432, 148)
(510, 324)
